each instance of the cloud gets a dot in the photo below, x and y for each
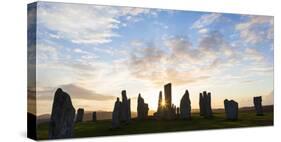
(84, 24)
(205, 20)
(256, 29)
(254, 55)
(180, 62)
(75, 92)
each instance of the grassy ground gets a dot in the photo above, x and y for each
(103, 127)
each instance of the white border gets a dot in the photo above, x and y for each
(13, 69)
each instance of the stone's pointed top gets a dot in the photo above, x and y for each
(124, 95)
(117, 99)
(204, 93)
(80, 109)
(59, 90)
(139, 95)
(186, 92)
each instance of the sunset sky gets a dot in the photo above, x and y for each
(95, 52)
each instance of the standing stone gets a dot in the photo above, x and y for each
(185, 106)
(231, 109)
(125, 108)
(205, 105)
(159, 114)
(94, 116)
(160, 101)
(80, 115)
(258, 105)
(142, 108)
(62, 117)
(201, 105)
(146, 109)
(116, 114)
(168, 95)
(208, 108)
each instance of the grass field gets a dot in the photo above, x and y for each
(103, 127)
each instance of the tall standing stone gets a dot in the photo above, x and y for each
(160, 101)
(94, 116)
(185, 106)
(116, 114)
(258, 105)
(142, 108)
(208, 107)
(160, 114)
(62, 117)
(168, 95)
(205, 105)
(125, 108)
(231, 109)
(80, 115)
(201, 105)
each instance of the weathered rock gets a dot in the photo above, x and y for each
(201, 105)
(62, 117)
(94, 116)
(159, 114)
(160, 102)
(80, 115)
(168, 95)
(205, 105)
(142, 108)
(116, 114)
(185, 106)
(231, 109)
(208, 108)
(258, 105)
(125, 108)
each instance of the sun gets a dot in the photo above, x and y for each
(163, 103)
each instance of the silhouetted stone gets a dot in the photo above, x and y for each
(62, 117)
(80, 115)
(258, 105)
(142, 108)
(116, 114)
(185, 106)
(205, 105)
(168, 95)
(159, 114)
(125, 108)
(160, 100)
(94, 116)
(201, 105)
(231, 109)
(208, 108)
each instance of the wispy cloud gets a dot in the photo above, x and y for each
(84, 24)
(205, 20)
(256, 29)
